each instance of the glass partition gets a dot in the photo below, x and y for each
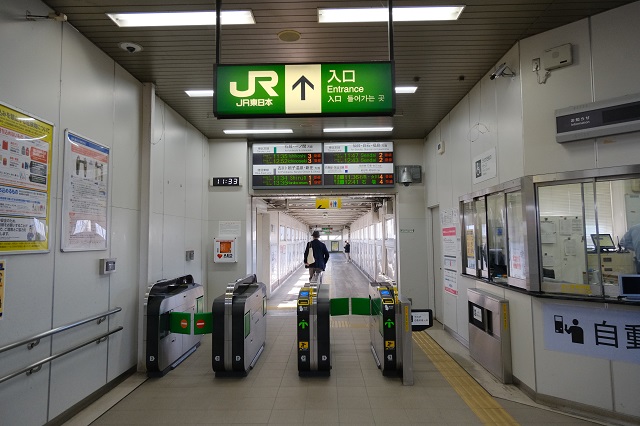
(584, 237)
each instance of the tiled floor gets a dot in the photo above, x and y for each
(355, 393)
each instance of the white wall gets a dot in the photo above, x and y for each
(517, 118)
(228, 158)
(52, 72)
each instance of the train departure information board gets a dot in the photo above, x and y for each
(358, 164)
(281, 165)
(328, 165)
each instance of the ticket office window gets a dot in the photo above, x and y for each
(494, 241)
(584, 246)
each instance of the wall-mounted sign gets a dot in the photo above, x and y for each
(224, 250)
(25, 172)
(279, 90)
(485, 166)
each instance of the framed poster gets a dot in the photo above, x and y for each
(85, 193)
(25, 181)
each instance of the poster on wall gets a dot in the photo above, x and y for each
(484, 166)
(224, 250)
(85, 193)
(25, 181)
(451, 275)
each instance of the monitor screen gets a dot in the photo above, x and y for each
(604, 241)
(629, 285)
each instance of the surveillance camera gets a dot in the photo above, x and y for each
(130, 47)
(502, 70)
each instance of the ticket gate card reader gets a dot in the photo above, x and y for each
(313, 330)
(164, 350)
(239, 327)
(390, 332)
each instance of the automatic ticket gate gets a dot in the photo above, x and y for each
(313, 325)
(239, 327)
(164, 349)
(390, 331)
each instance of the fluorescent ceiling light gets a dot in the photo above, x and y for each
(199, 93)
(406, 89)
(174, 19)
(381, 14)
(356, 129)
(256, 131)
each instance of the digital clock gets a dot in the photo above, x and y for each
(225, 181)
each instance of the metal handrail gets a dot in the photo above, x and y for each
(34, 340)
(35, 367)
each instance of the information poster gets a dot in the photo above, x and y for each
(85, 194)
(25, 168)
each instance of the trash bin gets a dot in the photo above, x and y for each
(489, 335)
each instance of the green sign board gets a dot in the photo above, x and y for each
(280, 90)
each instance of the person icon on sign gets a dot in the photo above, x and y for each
(577, 333)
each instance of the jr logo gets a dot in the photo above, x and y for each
(270, 80)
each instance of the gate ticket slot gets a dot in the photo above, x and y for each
(304, 330)
(389, 366)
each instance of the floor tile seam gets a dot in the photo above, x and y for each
(424, 340)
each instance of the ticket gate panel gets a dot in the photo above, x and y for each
(239, 327)
(164, 350)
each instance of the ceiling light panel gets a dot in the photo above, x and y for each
(174, 19)
(356, 129)
(406, 89)
(381, 14)
(199, 93)
(256, 131)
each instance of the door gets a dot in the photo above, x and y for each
(437, 277)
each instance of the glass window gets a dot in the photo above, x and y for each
(497, 237)
(481, 238)
(469, 246)
(516, 232)
(582, 236)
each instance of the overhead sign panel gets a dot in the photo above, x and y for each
(322, 165)
(278, 90)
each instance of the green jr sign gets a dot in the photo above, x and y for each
(308, 89)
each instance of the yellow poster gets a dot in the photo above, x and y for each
(25, 181)
(2, 272)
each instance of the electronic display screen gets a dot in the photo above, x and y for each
(629, 285)
(304, 294)
(385, 293)
(604, 241)
(278, 165)
(358, 164)
(322, 165)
